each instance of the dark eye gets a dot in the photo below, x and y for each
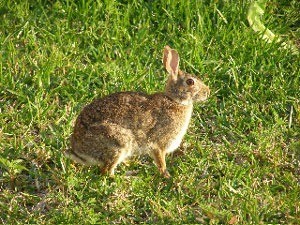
(190, 82)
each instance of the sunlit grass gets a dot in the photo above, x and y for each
(239, 163)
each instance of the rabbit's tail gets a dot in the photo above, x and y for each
(81, 158)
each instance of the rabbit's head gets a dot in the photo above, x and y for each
(182, 87)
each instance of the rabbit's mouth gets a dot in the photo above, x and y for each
(202, 95)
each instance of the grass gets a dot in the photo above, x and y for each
(239, 163)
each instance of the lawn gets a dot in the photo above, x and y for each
(240, 160)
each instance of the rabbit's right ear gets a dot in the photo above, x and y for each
(171, 61)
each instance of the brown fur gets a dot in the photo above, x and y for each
(123, 124)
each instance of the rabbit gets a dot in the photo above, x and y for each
(124, 124)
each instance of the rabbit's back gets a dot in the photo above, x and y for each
(148, 119)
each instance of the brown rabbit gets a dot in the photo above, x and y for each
(124, 124)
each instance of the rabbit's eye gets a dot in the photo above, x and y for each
(190, 82)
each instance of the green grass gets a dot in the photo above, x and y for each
(240, 160)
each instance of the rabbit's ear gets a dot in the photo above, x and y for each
(171, 61)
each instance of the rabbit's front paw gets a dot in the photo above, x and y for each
(166, 174)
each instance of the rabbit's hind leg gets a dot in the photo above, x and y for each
(115, 144)
(109, 167)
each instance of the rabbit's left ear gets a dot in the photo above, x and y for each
(171, 61)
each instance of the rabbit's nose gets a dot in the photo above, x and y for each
(206, 91)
